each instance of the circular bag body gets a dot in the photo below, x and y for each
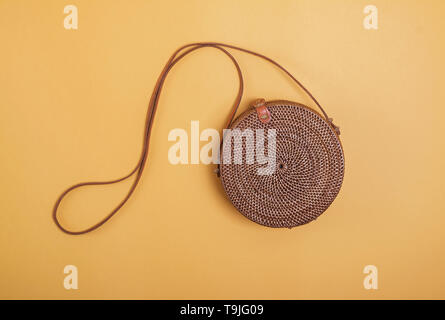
(305, 177)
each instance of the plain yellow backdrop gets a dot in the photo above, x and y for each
(72, 108)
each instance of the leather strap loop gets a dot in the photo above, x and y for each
(152, 106)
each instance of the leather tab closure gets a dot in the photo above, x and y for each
(261, 110)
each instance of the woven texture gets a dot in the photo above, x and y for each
(308, 174)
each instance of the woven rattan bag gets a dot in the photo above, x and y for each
(308, 166)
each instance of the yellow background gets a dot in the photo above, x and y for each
(72, 107)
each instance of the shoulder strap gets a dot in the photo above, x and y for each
(152, 105)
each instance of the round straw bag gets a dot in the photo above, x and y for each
(308, 170)
(304, 169)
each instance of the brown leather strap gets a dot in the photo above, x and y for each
(153, 103)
